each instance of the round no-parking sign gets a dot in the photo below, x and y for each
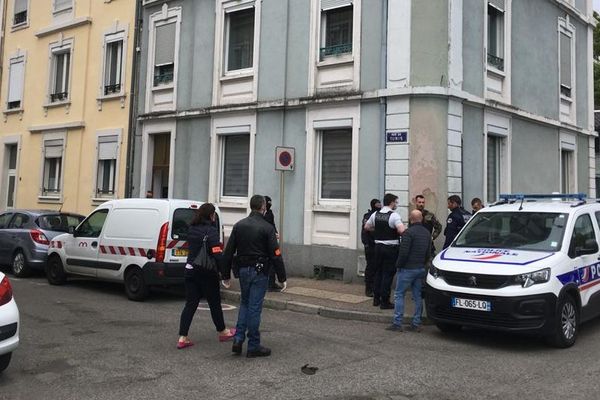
(284, 158)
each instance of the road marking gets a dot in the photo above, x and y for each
(224, 307)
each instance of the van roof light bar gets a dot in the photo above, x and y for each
(535, 196)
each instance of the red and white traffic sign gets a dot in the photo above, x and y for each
(284, 158)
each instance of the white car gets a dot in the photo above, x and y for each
(9, 322)
(521, 265)
(139, 242)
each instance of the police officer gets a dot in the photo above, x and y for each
(254, 244)
(369, 243)
(270, 218)
(387, 227)
(476, 205)
(456, 220)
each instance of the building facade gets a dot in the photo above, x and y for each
(465, 97)
(65, 94)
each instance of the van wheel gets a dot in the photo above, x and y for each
(19, 266)
(135, 286)
(55, 272)
(4, 361)
(448, 328)
(566, 322)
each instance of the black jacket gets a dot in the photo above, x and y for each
(195, 239)
(253, 238)
(456, 220)
(366, 236)
(415, 247)
(270, 218)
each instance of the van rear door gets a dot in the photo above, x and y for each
(177, 245)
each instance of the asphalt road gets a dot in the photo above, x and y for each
(85, 340)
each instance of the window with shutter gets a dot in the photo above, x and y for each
(20, 12)
(495, 42)
(336, 164)
(61, 69)
(336, 31)
(164, 54)
(62, 5)
(236, 165)
(108, 147)
(565, 64)
(15, 85)
(53, 150)
(240, 39)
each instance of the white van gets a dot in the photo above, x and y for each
(521, 265)
(141, 242)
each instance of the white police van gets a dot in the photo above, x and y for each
(140, 242)
(528, 263)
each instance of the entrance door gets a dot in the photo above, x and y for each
(11, 175)
(161, 155)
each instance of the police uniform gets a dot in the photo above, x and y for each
(456, 220)
(387, 242)
(369, 244)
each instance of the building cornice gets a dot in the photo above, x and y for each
(56, 127)
(62, 26)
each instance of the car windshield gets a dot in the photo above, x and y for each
(536, 231)
(59, 222)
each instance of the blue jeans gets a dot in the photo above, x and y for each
(406, 278)
(253, 287)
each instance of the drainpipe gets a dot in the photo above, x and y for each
(3, 33)
(383, 100)
(133, 103)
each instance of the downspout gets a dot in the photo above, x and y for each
(2, 28)
(383, 100)
(133, 103)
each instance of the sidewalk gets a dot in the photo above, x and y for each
(327, 298)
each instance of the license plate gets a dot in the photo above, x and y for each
(180, 252)
(470, 304)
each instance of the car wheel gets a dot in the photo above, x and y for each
(4, 361)
(55, 272)
(448, 328)
(135, 286)
(19, 266)
(566, 322)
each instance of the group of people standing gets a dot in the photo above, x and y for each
(392, 249)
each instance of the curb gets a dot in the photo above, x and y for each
(326, 312)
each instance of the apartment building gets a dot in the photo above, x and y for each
(467, 97)
(65, 96)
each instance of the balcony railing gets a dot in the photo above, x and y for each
(495, 62)
(336, 50)
(20, 17)
(11, 105)
(162, 79)
(61, 96)
(111, 89)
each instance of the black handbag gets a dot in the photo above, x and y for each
(203, 261)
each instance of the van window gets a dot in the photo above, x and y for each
(92, 226)
(536, 231)
(133, 223)
(582, 232)
(182, 218)
(59, 222)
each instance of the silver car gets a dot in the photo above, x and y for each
(26, 234)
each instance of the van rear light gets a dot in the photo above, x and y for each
(5, 291)
(38, 237)
(161, 246)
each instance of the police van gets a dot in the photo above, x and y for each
(140, 242)
(528, 263)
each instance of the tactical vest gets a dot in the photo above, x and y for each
(382, 227)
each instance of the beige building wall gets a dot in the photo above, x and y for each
(72, 107)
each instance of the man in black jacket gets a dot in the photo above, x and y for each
(368, 241)
(254, 244)
(270, 218)
(456, 220)
(415, 249)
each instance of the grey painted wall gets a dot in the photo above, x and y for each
(371, 41)
(581, 74)
(472, 154)
(583, 164)
(580, 5)
(429, 63)
(273, 42)
(473, 11)
(297, 56)
(192, 159)
(535, 158)
(269, 132)
(197, 58)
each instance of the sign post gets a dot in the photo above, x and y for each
(284, 161)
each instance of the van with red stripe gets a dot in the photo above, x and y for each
(140, 242)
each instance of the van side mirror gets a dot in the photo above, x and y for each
(590, 247)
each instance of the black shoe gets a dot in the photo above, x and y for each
(386, 306)
(394, 328)
(260, 352)
(237, 347)
(376, 302)
(369, 292)
(414, 328)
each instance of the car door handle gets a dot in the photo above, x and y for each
(94, 244)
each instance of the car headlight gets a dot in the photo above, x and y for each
(526, 280)
(434, 271)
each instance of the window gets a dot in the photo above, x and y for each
(61, 69)
(5, 219)
(495, 50)
(53, 150)
(113, 67)
(164, 54)
(566, 59)
(566, 171)
(58, 222)
(19, 221)
(20, 12)
(494, 146)
(336, 30)
(239, 39)
(583, 232)
(236, 161)
(107, 164)
(335, 164)
(92, 225)
(16, 78)
(62, 5)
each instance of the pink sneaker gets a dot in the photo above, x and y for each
(183, 345)
(229, 336)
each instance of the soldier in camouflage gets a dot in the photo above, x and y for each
(429, 220)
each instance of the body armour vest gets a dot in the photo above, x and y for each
(382, 227)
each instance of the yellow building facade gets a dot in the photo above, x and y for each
(64, 102)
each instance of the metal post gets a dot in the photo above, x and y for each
(281, 206)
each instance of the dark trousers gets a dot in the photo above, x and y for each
(199, 285)
(370, 267)
(253, 286)
(385, 269)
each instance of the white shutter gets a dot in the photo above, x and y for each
(565, 60)
(20, 6)
(15, 86)
(336, 164)
(164, 44)
(499, 4)
(107, 148)
(330, 4)
(62, 4)
(236, 165)
(53, 148)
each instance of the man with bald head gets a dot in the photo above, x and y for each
(415, 250)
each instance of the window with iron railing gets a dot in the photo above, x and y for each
(61, 63)
(495, 42)
(163, 74)
(164, 54)
(336, 32)
(113, 67)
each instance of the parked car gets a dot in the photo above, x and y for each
(9, 322)
(26, 234)
(527, 264)
(140, 242)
